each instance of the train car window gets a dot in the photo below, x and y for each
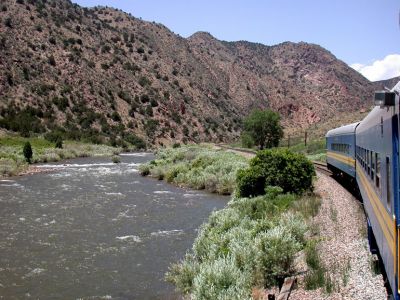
(357, 157)
(365, 167)
(388, 183)
(363, 158)
(378, 170)
(368, 163)
(372, 165)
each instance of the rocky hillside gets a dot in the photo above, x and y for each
(102, 74)
(389, 83)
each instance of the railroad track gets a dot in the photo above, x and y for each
(236, 149)
(320, 166)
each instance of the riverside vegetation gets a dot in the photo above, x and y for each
(198, 167)
(251, 243)
(13, 161)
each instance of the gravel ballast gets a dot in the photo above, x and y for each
(343, 247)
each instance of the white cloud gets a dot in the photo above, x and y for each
(386, 68)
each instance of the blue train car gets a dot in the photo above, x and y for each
(377, 164)
(340, 146)
(369, 152)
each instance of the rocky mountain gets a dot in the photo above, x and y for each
(388, 83)
(102, 74)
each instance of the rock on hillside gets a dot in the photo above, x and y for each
(103, 74)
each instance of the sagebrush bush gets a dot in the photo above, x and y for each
(197, 167)
(221, 280)
(292, 172)
(251, 242)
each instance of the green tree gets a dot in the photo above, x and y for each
(28, 152)
(264, 127)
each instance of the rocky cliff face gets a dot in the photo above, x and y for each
(104, 73)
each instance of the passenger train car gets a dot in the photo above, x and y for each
(367, 152)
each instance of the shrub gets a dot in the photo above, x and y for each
(247, 140)
(149, 110)
(59, 144)
(8, 22)
(241, 246)
(144, 81)
(115, 117)
(136, 141)
(279, 167)
(28, 152)
(115, 159)
(144, 170)
(52, 61)
(150, 127)
(105, 49)
(221, 279)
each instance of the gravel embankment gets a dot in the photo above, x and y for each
(343, 248)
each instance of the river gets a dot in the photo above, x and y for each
(91, 229)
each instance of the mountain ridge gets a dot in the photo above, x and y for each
(102, 72)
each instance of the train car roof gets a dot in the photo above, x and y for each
(346, 129)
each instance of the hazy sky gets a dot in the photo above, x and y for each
(363, 33)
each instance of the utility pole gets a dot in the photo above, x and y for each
(305, 138)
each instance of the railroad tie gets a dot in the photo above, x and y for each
(287, 287)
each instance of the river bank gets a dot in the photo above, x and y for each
(13, 163)
(329, 250)
(201, 167)
(250, 243)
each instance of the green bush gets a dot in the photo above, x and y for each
(53, 136)
(28, 152)
(136, 141)
(144, 170)
(278, 167)
(115, 159)
(59, 144)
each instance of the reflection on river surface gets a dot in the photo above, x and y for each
(92, 229)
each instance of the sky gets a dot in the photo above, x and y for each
(365, 34)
